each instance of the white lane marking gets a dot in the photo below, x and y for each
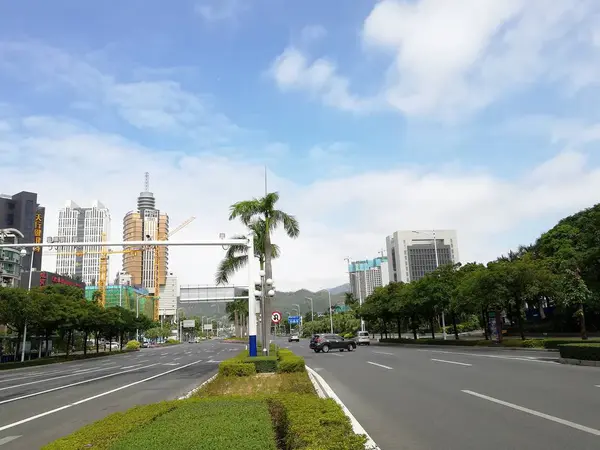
(8, 439)
(336, 354)
(88, 399)
(129, 367)
(162, 354)
(384, 353)
(380, 365)
(50, 379)
(356, 426)
(451, 362)
(514, 358)
(214, 361)
(536, 413)
(176, 359)
(170, 364)
(58, 388)
(144, 360)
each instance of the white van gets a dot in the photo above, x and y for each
(362, 338)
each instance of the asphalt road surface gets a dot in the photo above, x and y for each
(40, 404)
(464, 399)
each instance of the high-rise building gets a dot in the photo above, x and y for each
(77, 224)
(147, 223)
(167, 303)
(22, 211)
(412, 254)
(366, 275)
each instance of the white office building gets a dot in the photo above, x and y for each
(412, 254)
(167, 303)
(366, 275)
(77, 224)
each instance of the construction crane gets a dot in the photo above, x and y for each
(157, 264)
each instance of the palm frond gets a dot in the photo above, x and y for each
(228, 266)
(275, 251)
(290, 223)
(245, 210)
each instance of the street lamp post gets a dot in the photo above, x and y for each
(312, 308)
(23, 254)
(299, 316)
(437, 265)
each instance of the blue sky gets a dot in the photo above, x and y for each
(371, 116)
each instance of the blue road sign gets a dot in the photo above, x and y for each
(294, 320)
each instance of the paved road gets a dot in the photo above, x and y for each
(464, 399)
(38, 405)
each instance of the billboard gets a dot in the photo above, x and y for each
(38, 236)
(189, 323)
(39, 279)
(208, 327)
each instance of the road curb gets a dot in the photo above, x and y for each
(470, 347)
(579, 362)
(197, 388)
(324, 391)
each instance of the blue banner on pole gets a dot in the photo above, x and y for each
(294, 320)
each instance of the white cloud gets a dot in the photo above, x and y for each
(311, 33)
(339, 216)
(219, 10)
(450, 58)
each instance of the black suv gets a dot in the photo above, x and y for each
(325, 342)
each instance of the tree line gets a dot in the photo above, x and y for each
(61, 313)
(556, 280)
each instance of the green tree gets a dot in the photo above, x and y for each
(264, 209)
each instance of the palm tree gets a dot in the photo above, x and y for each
(237, 255)
(263, 209)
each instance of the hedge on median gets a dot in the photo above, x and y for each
(204, 424)
(585, 352)
(281, 360)
(58, 359)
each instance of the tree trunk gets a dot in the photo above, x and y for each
(18, 346)
(454, 325)
(46, 353)
(485, 323)
(235, 323)
(268, 274)
(582, 328)
(413, 325)
(520, 319)
(499, 324)
(541, 309)
(97, 342)
(432, 325)
(399, 325)
(85, 339)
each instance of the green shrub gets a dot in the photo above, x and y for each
(307, 422)
(172, 341)
(236, 368)
(102, 434)
(554, 343)
(291, 363)
(587, 352)
(207, 424)
(263, 364)
(133, 345)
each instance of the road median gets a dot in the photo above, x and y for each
(251, 404)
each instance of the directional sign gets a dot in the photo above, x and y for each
(294, 320)
(276, 317)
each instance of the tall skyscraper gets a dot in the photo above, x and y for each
(77, 224)
(22, 211)
(147, 223)
(412, 254)
(366, 275)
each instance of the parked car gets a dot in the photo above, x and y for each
(294, 338)
(325, 342)
(362, 338)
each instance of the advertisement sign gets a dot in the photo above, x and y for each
(38, 230)
(48, 278)
(208, 327)
(190, 323)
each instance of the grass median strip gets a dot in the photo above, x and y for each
(240, 409)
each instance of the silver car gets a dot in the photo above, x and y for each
(362, 338)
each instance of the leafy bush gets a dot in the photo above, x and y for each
(236, 368)
(307, 422)
(291, 364)
(587, 352)
(133, 345)
(263, 364)
(208, 424)
(172, 341)
(57, 359)
(102, 434)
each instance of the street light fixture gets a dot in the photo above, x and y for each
(23, 253)
(312, 308)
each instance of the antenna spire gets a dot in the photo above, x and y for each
(147, 182)
(266, 191)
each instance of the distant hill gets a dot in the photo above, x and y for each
(340, 289)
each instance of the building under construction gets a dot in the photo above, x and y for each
(128, 297)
